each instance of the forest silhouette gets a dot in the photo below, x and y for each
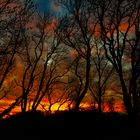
(76, 73)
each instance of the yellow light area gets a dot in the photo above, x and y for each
(118, 106)
(57, 105)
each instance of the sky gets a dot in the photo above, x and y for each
(49, 5)
(44, 5)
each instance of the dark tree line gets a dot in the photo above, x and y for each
(71, 57)
(119, 25)
(116, 25)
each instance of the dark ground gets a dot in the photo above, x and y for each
(87, 125)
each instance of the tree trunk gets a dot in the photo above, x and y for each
(77, 104)
(126, 97)
(80, 97)
(24, 104)
(8, 110)
(99, 93)
(135, 97)
(100, 103)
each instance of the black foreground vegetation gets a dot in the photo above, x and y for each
(71, 124)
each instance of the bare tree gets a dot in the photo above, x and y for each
(14, 17)
(119, 22)
(76, 79)
(44, 63)
(51, 75)
(101, 75)
(75, 33)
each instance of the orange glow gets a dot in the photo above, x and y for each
(51, 26)
(96, 29)
(124, 26)
(73, 53)
(118, 106)
(17, 74)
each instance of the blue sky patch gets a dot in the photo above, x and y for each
(43, 5)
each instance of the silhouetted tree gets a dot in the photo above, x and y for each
(54, 61)
(101, 74)
(43, 61)
(14, 18)
(76, 33)
(76, 79)
(119, 27)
